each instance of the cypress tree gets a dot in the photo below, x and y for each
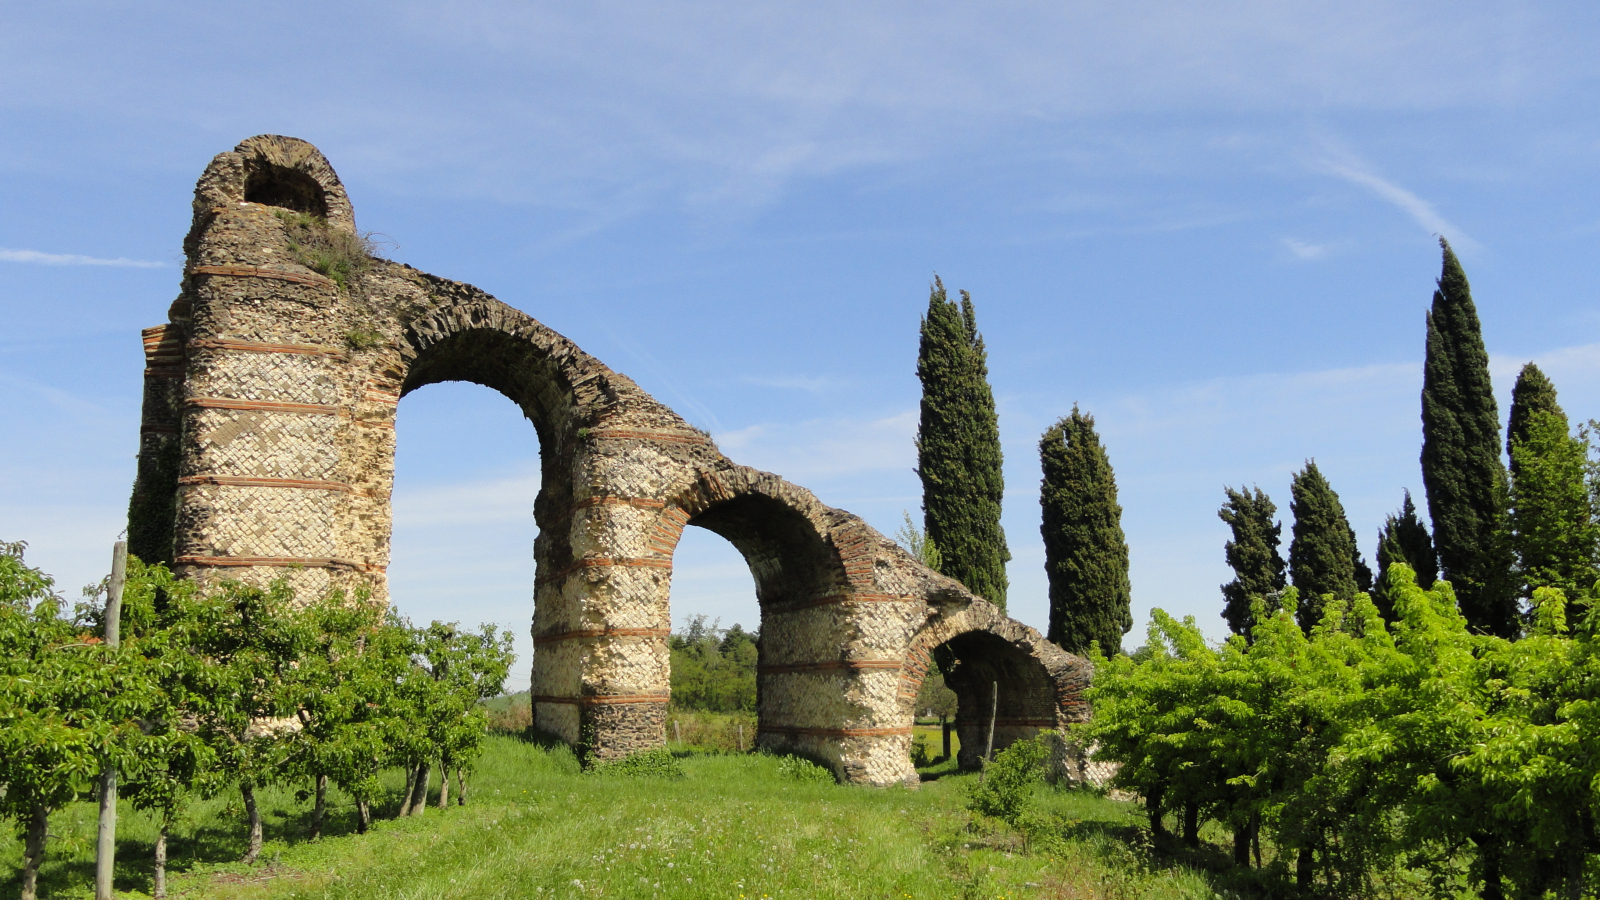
(1403, 539)
(1258, 568)
(1553, 527)
(958, 448)
(1533, 393)
(1085, 551)
(1461, 465)
(1322, 553)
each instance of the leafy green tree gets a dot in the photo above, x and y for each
(1085, 551)
(1461, 464)
(342, 690)
(253, 642)
(1258, 568)
(163, 617)
(470, 667)
(1403, 539)
(1323, 559)
(958, 448)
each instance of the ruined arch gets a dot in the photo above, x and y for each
(267, 451)
(1004, 671)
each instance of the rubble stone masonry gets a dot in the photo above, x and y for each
(267, 451)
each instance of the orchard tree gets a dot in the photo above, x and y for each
(69, 706)
(163, 618)
(253, 642)
(958, 448)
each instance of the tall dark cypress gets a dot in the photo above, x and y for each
(1085, 551)
(958, 448)
(1461, 465)
(1322, 554)
(1258, 568)
(1403, 539)
(1553, 529)
(1533, 393)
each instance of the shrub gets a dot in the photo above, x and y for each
(658, 763)
(1008, 782)
(797, 768)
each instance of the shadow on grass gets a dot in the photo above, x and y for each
(1130, 844)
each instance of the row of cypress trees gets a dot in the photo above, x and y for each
(959, 463)
(1499, 531)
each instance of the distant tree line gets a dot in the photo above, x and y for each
(713, 669)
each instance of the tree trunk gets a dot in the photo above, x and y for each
(1305, 870)
(160, 889)
(444, 784)
(1191, 824)
(1489, 854)
(363, 816)
(1241, 846)
(1152, 806)
(1572, 862)
(38, 831)
(320, 810)
(420, 801)
(945, 726)
(253, 813)
(461, 787)
(1255, 837)
(410, 795)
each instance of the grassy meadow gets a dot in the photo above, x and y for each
(734, 826)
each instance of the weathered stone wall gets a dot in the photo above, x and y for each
(267, 451)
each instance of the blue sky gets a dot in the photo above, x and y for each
(1210, 225)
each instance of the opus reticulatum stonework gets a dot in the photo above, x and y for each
(267, 451)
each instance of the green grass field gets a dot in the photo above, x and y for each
(733, 827)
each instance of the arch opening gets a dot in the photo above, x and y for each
(466, 477)
(274, 185)
(790, 562)
(715, 644)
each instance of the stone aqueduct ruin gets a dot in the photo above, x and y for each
(267, 451)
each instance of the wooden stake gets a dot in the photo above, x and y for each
(105, 848)
(988, 754)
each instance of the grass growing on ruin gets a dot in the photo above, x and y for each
(735, 825)
(341, 255)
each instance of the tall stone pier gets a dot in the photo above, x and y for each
(267, 452)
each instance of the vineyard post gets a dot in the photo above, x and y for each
(988, 754)
(105, 851)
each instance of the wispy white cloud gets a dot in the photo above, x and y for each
(1305, 251)
(1420, 210)
(825, 448)
(478, 502)
(72, 259)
